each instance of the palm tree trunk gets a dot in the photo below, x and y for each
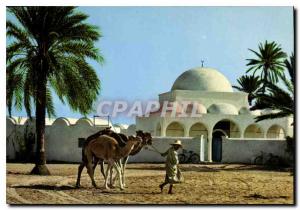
(250, 98)
(40, 167)
(265, 79)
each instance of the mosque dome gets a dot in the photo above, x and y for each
(202, 79)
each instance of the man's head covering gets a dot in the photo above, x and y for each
(177, 142)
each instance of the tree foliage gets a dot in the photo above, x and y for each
(279, 99)
(269, 61)
(48, 52)
(59, 37)
(249, 84)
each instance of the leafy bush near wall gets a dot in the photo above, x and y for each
(290, 149)
(23, 145)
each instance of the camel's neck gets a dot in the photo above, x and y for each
(125, 151)
(137, 149)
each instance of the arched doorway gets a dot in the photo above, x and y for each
(222, 128)
(217, 146)
(175, 130)
(275, 132)
(229, 127)
(253, 131)
(197, 130)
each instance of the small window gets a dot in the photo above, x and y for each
(80, 142)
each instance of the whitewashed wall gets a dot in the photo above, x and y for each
(245, 150)
(163, 144)
(61, 138)
(62, 143)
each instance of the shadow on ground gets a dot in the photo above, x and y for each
(46, 187)
(217, 167)
(98, 190)
(258, 196)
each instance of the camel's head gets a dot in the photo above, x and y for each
(136, 140)
(147, 138)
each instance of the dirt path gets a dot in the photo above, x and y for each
(204, 184)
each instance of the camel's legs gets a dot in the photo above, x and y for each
(109, 165)
(91, 173)
(123, 170)
(111, 182)
(96, 160)
(102, 168)
(80, 168)
(89, 166)
(101, 162)
(119, 165)
(118, 168)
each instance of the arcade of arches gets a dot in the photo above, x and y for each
(231, 129)
(222, 128)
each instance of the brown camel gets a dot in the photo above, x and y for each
(146, 140)
(106, 148)
(106, 131)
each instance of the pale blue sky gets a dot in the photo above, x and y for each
(147, 48)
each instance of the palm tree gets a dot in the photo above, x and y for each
(270, 61)
(48, 51)
(277, 98)
(249, 84)
(290, 66)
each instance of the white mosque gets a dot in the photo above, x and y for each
(223, 131)
(223, 113)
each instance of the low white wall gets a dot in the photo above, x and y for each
(245, 150)
(62, 144)
(162, 144)
(61, 140)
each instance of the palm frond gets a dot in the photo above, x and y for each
(66, 41)
(270, 61)
(49, 103)
(271, 116)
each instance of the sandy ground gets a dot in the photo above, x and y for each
(204, 184)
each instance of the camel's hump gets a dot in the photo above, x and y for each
(105, 138)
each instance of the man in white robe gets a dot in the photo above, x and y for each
(173, 174)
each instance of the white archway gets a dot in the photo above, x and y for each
(198, 129)
(253, 131)
(175, 129)
(276, 131)
(229, 127)
(220, 130)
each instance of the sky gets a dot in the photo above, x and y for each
(147, 48)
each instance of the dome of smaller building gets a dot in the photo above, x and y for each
(199, 108)
(244, 110)
(181, 108)
(61, 121)
(222, 108)
(84, 122)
